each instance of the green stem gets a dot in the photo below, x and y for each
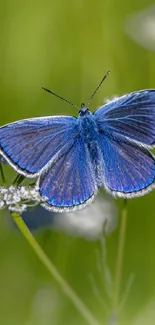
(18, 180)
(70, 293)
(119, 261)
(2, 175)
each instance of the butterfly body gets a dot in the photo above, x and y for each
(87, 127)
(73, 157)
(90, 132)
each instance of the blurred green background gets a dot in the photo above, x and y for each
(67, 46)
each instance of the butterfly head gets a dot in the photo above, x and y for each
(84, 111)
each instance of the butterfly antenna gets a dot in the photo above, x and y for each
(65, 100)
(105, 76)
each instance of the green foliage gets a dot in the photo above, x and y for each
(67, 46)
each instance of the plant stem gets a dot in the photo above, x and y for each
(70, 293)
(18, 180)
(2, 175)
(119, 261)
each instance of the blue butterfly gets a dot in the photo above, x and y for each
(74, 157)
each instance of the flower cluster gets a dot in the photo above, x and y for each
(15, 198)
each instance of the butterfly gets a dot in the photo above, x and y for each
(72, 157)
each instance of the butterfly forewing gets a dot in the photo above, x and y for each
(132, 115)
(29, 145)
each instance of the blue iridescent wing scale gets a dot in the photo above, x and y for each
(29, 145)
(132, 115)
(70, 182)
(129, 168)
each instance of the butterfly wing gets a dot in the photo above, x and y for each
(29, 145)
(131, 115)
(69, 183)
(129, 168)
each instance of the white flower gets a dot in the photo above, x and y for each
(14, 197)
(2, 203)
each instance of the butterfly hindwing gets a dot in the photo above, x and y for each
(129, 168)
(132, 115)
(30, 144)
(69, 183)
